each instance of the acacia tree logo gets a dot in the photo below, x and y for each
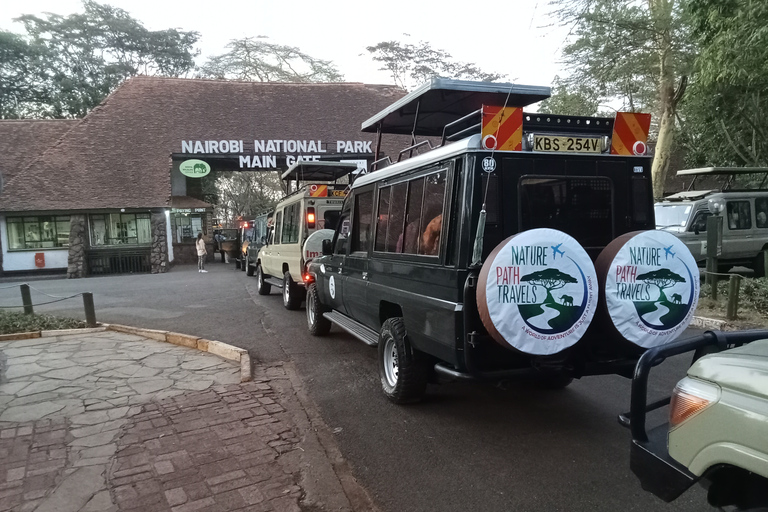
(551, 316)
(550, 279)
(662, 313)
(663, 279)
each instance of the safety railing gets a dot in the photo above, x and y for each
(26, 301)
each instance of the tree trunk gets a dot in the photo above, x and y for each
(664, 145)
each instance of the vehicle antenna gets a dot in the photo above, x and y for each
(477, 250)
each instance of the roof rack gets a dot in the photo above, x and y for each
(317, 171)
(730, 172)
(446, 108)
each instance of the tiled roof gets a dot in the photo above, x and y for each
(119, 155)
(188, 202)
(23, 140)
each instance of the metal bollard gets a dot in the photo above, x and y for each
(26, 299)
(90, 311)
(732, 308)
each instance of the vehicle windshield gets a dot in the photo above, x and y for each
(672, 215)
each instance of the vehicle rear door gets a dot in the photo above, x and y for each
(272, 250)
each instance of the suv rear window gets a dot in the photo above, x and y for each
(580, 206)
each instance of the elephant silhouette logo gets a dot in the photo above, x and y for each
(567, 300)
(199, 168)
(677, 298)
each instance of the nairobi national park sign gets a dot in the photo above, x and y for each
(264, 154)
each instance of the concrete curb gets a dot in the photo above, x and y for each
(217, 348)
(711, 324)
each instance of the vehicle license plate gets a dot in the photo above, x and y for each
(566, 144)
(339, 193)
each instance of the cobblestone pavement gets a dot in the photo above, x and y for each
(111, 421)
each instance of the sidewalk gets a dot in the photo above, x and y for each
(111, 421)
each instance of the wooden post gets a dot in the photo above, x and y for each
(26, 299)
(765, 263)
(90, 311)
(731, 311)
(714, 227)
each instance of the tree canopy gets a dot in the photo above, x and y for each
(413, 64)
(727, 108)
(255, 59)
(571, 99)
(637, 53)
(63, 66)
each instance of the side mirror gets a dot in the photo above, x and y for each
(327, 247)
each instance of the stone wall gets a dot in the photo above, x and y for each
(78, 239)
(159, 254)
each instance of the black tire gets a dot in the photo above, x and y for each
(291, 296)
(555, 381)
(243, 264)
(318, 325)
(403, 371)
(263, 288)
(249, 268)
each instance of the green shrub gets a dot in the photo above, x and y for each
(15, 322)
(753, 296)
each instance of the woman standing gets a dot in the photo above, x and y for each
(201, 252)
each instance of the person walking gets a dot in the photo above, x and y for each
(201, 252)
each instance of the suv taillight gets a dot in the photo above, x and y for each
(690, 397)
(310, 217)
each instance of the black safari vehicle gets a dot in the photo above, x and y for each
(404, 270)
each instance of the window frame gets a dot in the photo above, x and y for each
(734, 201)
(419, 174)
(107, 224)
(53, 220)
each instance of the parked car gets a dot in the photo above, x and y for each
(227, 240)
(313, 206)
(717, 433)
(745, 217)
(448, 261)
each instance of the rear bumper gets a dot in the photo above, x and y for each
(659, 473)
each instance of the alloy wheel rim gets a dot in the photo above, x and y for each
(286, 292)
(391, 367)
(311, 309)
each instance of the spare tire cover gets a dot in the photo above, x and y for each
(537, 292)
(651, 286)
(313, 247)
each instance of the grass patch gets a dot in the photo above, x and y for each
(11, 323)
(753, 302)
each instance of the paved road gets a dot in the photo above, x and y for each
(467, 447)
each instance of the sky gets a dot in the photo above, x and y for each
(516, 37)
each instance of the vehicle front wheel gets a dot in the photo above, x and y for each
(262, 287)
(759, 265)
(291, 296)
(404, 371)
(237, 264)
(317, 323)
(249, 268)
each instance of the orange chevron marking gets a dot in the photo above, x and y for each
(506, 125)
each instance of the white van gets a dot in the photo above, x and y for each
(314, 205)
(744, 211)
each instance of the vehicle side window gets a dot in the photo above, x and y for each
(700, 222)
(761, 212)
(290, 231)
(432, 213)
(278, 224)
(396, 218)
(343, 235)
(382, 221)
(363, 222)
(739, 215)
(413, 216)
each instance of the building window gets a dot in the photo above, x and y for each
(187, 226)
(38, 232)
(120, 229)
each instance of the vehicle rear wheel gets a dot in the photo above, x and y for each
(291, 296)
(317, 323)
(237, 264)
(248, 269)
(404, 371)
(243, 264)
(262, 287)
